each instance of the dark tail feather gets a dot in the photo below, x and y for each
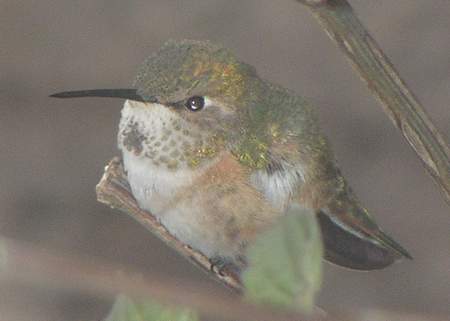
(352, 251)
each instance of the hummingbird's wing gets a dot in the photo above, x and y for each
(351, 236)
(348, 246)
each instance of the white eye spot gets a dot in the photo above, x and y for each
(218, 105)
(208, 102)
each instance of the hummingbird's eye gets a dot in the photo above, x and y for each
(195, 103)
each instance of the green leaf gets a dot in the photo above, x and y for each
(285, 263)
(124, 309)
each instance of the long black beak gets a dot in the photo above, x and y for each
(130, 94)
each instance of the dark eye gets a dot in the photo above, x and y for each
(195, 103)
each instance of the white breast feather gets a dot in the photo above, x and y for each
(279, 186)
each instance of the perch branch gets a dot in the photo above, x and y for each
(114, 191)
(399, 103)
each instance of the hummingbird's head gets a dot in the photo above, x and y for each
(199, 82)
(198, 86)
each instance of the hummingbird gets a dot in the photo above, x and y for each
(218, 154)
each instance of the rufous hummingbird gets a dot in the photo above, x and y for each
(217, 154)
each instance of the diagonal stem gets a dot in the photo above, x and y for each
(342, 25)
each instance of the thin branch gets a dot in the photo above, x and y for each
(114, 191)
(399, 103)
(22, 263)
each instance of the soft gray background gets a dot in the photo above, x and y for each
(53, 151)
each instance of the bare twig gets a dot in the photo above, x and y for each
(113, 190)
(399, 103)
(25, 264)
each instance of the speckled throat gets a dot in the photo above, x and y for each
(153, 132)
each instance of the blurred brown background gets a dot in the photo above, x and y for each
(52, 152)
